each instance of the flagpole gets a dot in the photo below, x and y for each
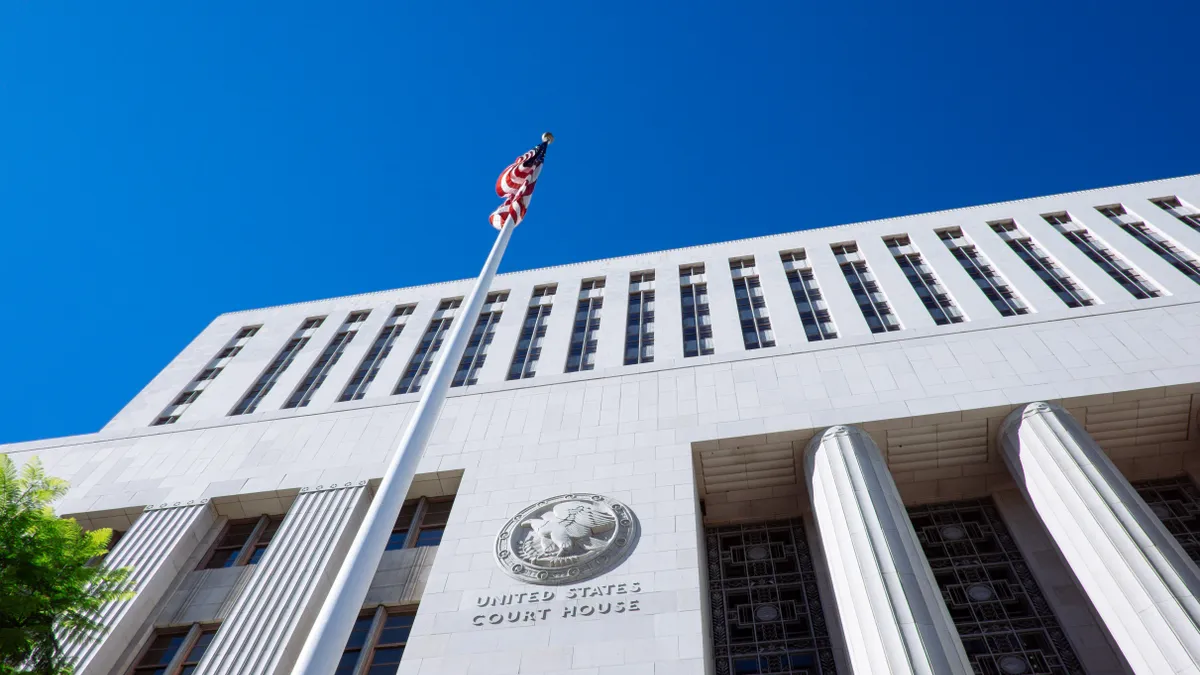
(327, 639)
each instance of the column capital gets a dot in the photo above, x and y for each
(1025, 412)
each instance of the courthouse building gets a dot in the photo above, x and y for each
(951, 442)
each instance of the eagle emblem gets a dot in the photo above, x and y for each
(569, 528)
(566, 539)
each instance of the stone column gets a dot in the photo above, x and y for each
(155, 549)
(270, 619)
(889, 606)
(1133, 571)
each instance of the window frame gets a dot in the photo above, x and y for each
(691, 292)
(584, 342)
(528, 351)
(380, 349)
(864, 286)
(995, 286)
(1061, 282)
(428, 346)
(754, 316)
(417, 523)
(265, 382)
(483, 333)
(253, 541)
(806, 293)
(317, 373)
(181, 658)
(212, 368)
(379, 616)
(639, 319)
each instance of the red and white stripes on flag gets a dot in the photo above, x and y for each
(516, 184)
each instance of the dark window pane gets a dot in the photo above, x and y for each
(387, 655)
(430, 537)
(437, 513)
(346, 665)
(396, 629)
(396, 540)
(223, 558)
(358, 634)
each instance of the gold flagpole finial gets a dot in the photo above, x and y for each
(547, 138)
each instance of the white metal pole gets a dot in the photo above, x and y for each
(325, 642)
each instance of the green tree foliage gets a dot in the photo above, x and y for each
(50, 585)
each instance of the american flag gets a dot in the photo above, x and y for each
(516, 184)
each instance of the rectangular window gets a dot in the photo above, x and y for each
(1179, 257)
(1184, 212)
(932, 293)
(871, 301)
(639, 325)
(1113, 265)
(376, 643)
(533, 331)
(329, 357)
(481, 337)
(243, 542)
(360, 634)
(693, 298)
(278, 365)
(814, 312)
(1055, 277)
(208, 373)
(175, 651)
(389, 648)
(751, 305)
(994, 286)
(369, 367)
(427, 349)
(426, 518)
(581, 354)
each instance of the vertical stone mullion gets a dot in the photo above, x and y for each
(155, 548)
(271, 617)
(1142, 584)
(410, 537)
(890, 609)
(248, 550)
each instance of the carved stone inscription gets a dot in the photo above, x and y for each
(580, 602)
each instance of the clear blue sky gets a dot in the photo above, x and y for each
(164, 162)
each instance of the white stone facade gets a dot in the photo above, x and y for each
(691, 444)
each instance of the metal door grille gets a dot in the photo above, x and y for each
(766, 611)
(1005, 623)
(1176, 502)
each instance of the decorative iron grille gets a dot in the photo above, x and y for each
(1176, 502)
(1005, 623)
(766, 611)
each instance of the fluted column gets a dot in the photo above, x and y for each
(889, 606)
(155, 549)
(1140, 581)
(272, 616)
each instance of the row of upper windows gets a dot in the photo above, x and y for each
(696, 325)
